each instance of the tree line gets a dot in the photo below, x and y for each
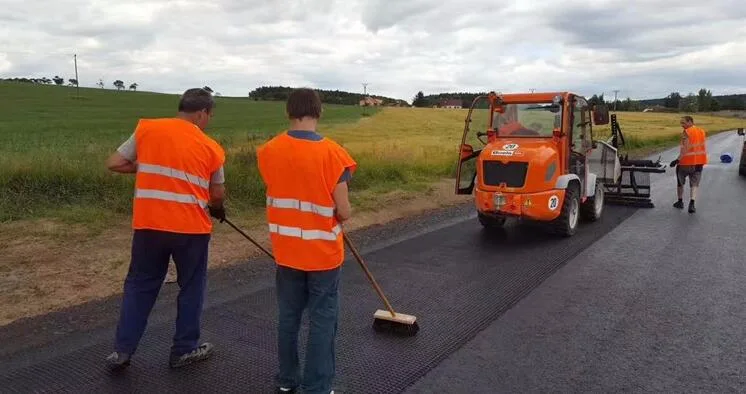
(703, 101)
(59, 81)
(281, 93)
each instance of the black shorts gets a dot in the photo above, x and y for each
(693, 172)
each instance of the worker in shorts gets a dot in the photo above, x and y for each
(691, 161)
(178, 186)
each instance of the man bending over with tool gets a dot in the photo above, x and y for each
(307, 199)
(178, 170)
(691, 160)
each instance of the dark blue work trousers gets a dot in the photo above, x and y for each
(317, 291)
(151, 253)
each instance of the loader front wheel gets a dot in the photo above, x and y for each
(593, 207)
(567, 223)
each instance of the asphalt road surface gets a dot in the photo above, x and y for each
(643, 300)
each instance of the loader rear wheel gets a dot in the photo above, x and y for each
(567, 223)
(490, 222)
(593, 207)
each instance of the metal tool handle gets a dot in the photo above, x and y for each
(368, 274)
(250, 239)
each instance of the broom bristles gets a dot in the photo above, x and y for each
(397, 317)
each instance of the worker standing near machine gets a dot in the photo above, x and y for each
(179, 177)
(307, 200)
(691, 161)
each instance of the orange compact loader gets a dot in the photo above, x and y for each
(539, 161)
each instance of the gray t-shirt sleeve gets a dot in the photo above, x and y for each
(346, 176)
(218, 177)
(127, 149)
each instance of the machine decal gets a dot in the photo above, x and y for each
(553, 202)
(510, 146)
(502, 153)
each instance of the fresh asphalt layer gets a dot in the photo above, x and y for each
(643, 300)
(656, 305)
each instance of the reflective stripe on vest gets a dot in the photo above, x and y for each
(170, 196)
(303, 206)
(310, 235)
(173, 173)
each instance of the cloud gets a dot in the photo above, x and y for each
(644, 49)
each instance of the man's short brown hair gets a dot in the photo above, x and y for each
(195, 100)
(688, 118)
(303, 102)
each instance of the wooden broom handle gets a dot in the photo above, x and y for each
(367, 272)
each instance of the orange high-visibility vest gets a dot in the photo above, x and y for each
(693, 151)
(175, 161)
(300, 177)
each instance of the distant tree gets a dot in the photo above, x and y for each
(673, 100)
(100, 83)
(133, 86)
(419, 100)
(73, 82)
(119, 84)
(58, 80)
(704, 100)
(217, 94)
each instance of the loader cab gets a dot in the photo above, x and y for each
(561, 122)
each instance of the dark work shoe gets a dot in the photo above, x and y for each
(679, 204)
(691, 207)
(202, 352)
(117, 361)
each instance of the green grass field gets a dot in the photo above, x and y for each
(53, 147)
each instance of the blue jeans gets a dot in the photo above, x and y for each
(317, 291)
(151, 253)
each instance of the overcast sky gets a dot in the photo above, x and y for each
(642, 48)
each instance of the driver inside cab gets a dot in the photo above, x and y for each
(507, 123)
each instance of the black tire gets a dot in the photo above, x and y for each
(489, 221)
(567, 223)
(593, 207)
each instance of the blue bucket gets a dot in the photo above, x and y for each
(726, 157)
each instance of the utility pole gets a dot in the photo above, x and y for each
(615, 92)
(365, 95)
(77, 82)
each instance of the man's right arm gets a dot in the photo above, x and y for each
(124, 160)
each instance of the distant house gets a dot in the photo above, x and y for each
(370, 101)
(452, 103)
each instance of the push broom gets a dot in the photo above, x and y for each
(392, 322)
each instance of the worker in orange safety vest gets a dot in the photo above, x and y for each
(691, 161)
(179, 178)
(306, 179)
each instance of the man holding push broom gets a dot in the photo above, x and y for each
(307, 200)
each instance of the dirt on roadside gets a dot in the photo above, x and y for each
(46, 266)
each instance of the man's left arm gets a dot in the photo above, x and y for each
(217, 194)
(124, 160)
